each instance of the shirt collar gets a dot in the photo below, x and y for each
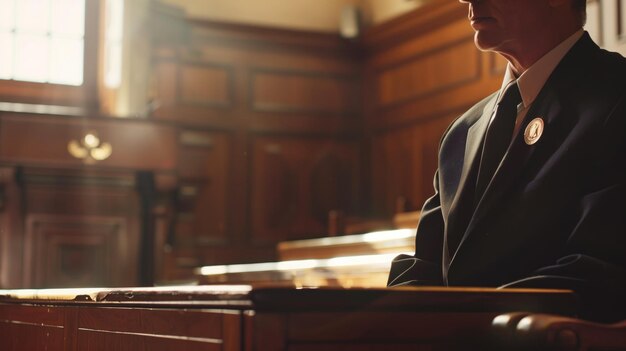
(534, 78)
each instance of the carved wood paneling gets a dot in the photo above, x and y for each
(44, 140)
(11, 226)
(429, 73)
(396, 169)
(331, 180)
(203, 200)
(304, 92)
(205, 85)
(290, 191)
(80, 229)
(235, 82)
(404, 161)
(77, 251)
(274, 191)
(258, 79)
(165, 73)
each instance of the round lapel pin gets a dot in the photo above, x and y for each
(533, 131)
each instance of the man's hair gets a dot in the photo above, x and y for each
(581, 6)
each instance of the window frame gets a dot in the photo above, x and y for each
(85, 95)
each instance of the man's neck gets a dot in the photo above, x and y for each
(529, 53)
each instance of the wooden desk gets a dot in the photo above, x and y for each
(241, 317)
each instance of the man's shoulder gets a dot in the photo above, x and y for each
(601, 67)
(475, 112)
(602, 79)
(612, 64)
(589, 76)
(461, 125)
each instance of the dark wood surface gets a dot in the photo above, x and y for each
(248, 318)
(281, 298)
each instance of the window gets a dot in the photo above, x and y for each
(42, 41)
(113, 42)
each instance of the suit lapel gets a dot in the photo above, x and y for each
(458, 214)
(516, 158)
(518, 155)
(475, 137)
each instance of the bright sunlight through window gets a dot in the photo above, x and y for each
(42, 41)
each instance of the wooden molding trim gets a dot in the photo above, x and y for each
(345, 81)
(229, 89)
(259, 36)
(435, 14)
(473, 77)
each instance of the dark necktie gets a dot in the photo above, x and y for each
(498, 138)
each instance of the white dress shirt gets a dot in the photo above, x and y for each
(534, 78)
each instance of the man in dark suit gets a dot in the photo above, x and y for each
(530, 189)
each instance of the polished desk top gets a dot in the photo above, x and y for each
(437, 299)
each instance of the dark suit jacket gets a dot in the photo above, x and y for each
(554, 215)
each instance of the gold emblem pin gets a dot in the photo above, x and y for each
(533, 131)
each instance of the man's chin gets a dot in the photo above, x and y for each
(486, 41)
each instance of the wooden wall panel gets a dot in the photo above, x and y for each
(228, 86)
(296, 182)
(45, 193)
(80, 229)
(44, 140)
(208, 85)
(65, 252)
(305, 92)
(11, 226)
(270, 80)
(165, 76)
(404, 161)
(203, 203)
(396, 169)
(429, 73)
(444, 73)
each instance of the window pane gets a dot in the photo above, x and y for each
(44, 41)
(113, 65)
(7, 14)
(68, 17)
(6, 55)
(33, 16)
(32, 57)
(114, 19)
(66, 61)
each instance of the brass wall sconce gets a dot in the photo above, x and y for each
(90, 149)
